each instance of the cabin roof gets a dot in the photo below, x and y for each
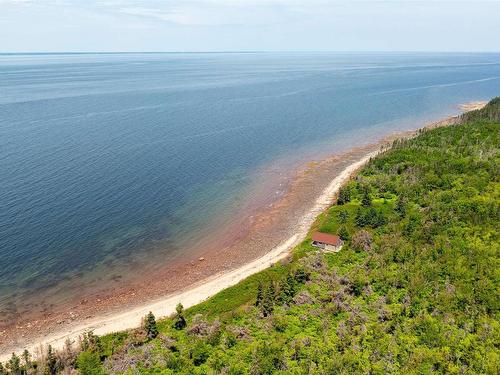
(329, 239)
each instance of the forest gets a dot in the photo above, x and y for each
(414, 289)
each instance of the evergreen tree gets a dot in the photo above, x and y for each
(3, 371)
(68, 355)
(343, 233)
(344, 195)
(401, 207)
(150, 326)
(27, 360)
(301, 276)
(343, 216)
(260, 294)
(272, 291)
(268, 300)
(89, 363)
(280, 295)
(379, 220)
(14, 365)
(50, 362)
(371, 217)
(366, 201)
(90, 342)
(412, 225)
(180, 321)
(285, 290)
(289, 288)
(360, 219)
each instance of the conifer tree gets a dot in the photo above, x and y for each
(366, 201)
(68, 355)
(91, 342)
(89, 363)
(180, 321)
(360, 218)
(27, 360)
(343, 233)
(50, 362)
(301, 276)
(288, 290)
(380, 219)
(272, 291)
(343, 216)
(280, 294)
(268, 300)
(401, 207)
(260, 294)
(14, 365)
(344, 195)
(150, 326)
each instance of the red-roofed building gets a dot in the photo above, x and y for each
(325, 241)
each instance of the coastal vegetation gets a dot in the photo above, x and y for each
(414, 289)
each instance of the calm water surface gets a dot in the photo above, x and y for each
(108, 161)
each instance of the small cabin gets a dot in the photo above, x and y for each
(327, 242)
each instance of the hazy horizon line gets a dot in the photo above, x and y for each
(233, 51)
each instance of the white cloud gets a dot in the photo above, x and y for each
(208, 12)
(15, 1)
(249, 24)
(245, 12)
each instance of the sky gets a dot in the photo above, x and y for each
(249, 25)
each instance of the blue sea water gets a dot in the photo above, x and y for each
(107, 160)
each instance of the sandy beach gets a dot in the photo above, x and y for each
(272, 233)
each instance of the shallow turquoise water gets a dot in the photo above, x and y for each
(108, 159)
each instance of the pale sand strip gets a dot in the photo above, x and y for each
(206, 288)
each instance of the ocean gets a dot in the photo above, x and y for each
(112, 163)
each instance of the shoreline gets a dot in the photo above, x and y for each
(203, 288)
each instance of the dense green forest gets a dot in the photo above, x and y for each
(414, 290)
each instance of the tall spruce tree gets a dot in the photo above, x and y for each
(150, 326)
(50, 362)
(268, 300)
(27, 360)
(366, 201)
(260, 294)
(289, 288)
(180, 321)
(360, 219)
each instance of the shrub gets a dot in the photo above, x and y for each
(200, 353)
(362, 241)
